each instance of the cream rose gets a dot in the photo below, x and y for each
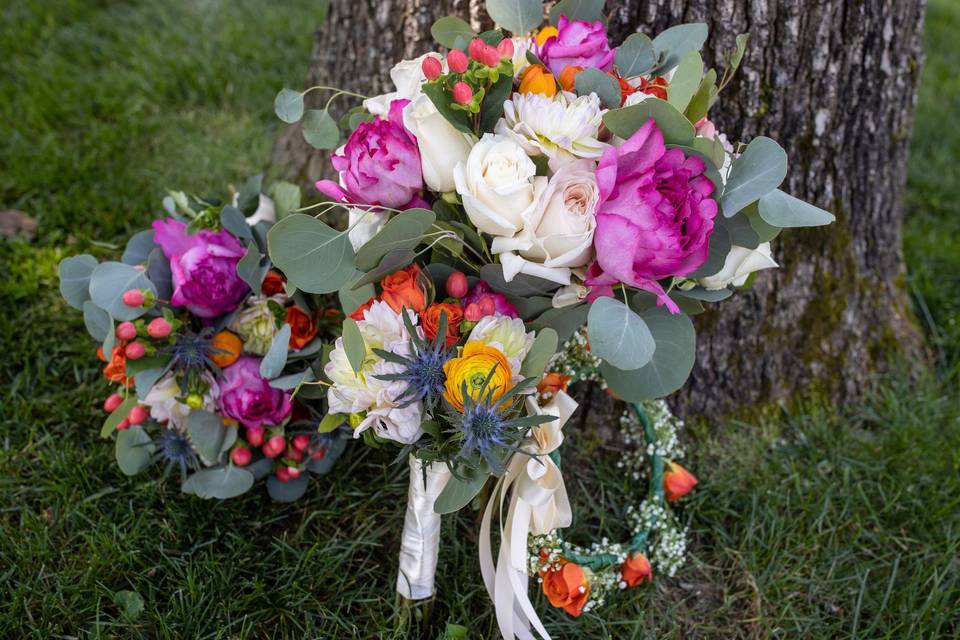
(560, 236)
(740, 263)
(407, 77)
(499, 185)
(441, 145)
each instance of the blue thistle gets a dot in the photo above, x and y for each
(423, 369)
(176, 450)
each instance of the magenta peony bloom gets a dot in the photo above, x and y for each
(501, 305)
(380, 165)
(204, 268)
(578, 43)
(248, 398)
(655, 215)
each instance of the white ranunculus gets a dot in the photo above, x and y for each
(560, 234)
(164, 400)
(563, 128)
(499, 185)
(507, 334)
(407, 76)
(740, 263)
(441, 145)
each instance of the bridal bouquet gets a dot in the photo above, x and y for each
(205, 347)
(533, 207)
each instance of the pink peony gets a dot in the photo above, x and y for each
(380, 165)
(578, 43)
(249, 399)
(655, 215)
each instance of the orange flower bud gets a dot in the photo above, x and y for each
(553, 382)
(568, 77)
(536, 79)
(677, 482)
(229, 346)
(545, 34)
(636, 570)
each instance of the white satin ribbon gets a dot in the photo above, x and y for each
(538, 503)
(420, 543)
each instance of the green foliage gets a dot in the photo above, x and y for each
(603, 84)
(314, 257)
(288, 105)
(401, 232)
(618, 335)
(586, 10)
(458, 492)
(686, 81)
(518, 16)
(779, 209)
(446, 30)
(635, 56)
(674, 125)
(276, 359)
(320, 130)
(134, 449)
(759, 170)
(353, 344)
(673, 44)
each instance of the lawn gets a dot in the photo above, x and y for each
(819, 522)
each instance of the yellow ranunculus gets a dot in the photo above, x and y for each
(472, 368)
(545, 34)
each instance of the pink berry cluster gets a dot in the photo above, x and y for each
(290, 454)
(486, 56)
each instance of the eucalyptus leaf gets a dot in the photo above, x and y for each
(207, 433)
(585, 10)
(288, 105)
(492, 107)
(446, 29)
(603, 84)
(459, 492)
(542, 350)
(109, 281)
(671, 364)
(780, 209)
(353, 344)
(319, 129)
(565, 321)
(402, 231)
(249, 269)
(686, 80)
(675, 127)
(313, 256)
(765, 231)
(75, 273)
(395, 260)
(276, 359)
(292, 380)
(139, 247)
(221, 483)
(712, 149)
(134, 449)
(286, 198)
(738, 52)
(117, 416)
(146, 380)
(158, 272)
(130, 604)
(703, 97)
(676, 42)
(521, 285)
(618, 335)
(97, 321)
(235, 222)
(719, 247)
(706, 295)
(289, 491)
(742, 233)
(518, 16)
(350, 298)
(332, 450)
(636, 56)
(759, 170)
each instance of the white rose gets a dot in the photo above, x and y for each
(499, 185)
(364, 224)
(561, 236)
(740, 263)
(407, 76)
(441, 145)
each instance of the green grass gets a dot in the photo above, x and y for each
(822, 523)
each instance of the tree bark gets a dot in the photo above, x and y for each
(834, 82)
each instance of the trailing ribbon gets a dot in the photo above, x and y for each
(537, 504)
(420, 543)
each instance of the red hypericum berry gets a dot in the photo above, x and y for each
(487, 306)
(159, 328)
(457, 61)
(431, 68)
(462, 93)
(274, 446)
(505, 48)
(318, 454)
(475, 49)
(301, 442)
(472, 313)
(283, 474)
(124, 424)
(294, 454)
(135, 350)
(293, 472)
(241, 456)
(457, 285)
(133, 298)
(255, 436)
(489, 55)
(126, 331)
(112, 402)
(138, 415)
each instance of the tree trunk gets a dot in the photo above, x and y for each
(834, 82)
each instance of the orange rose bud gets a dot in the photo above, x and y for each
(536, 79)
(677, 482)
(357, 314)
(402, 289)
(545, 34)
(568, 77)
(228, 347)
(636, 570)
(273, 283)
(302, 327)
(552, 383)
(430, 321)
(567, 588)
